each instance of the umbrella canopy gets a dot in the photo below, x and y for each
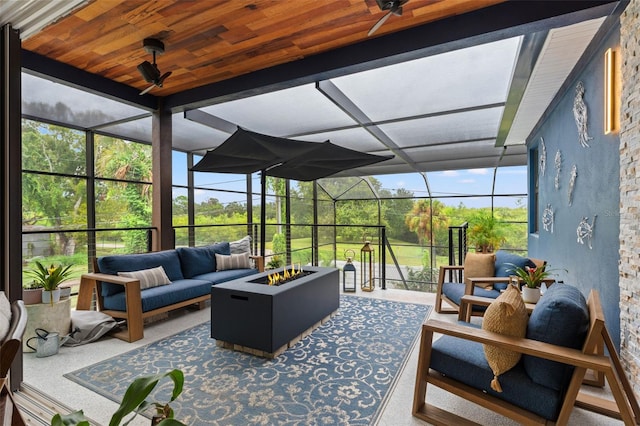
(249, 152)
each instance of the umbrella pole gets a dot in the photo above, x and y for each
(263, 212)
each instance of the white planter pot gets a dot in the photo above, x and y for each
(65, 292)
(47, 295)
(530, 295)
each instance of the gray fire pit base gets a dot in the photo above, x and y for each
(264, 320)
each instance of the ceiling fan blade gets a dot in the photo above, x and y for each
(144, 92)
(379, 23)
(161, 79)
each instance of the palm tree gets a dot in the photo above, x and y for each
(426, 217)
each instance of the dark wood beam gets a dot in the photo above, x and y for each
(50, 69)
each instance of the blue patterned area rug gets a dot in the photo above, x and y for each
(340, 375)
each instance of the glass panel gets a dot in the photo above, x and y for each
(511, 180)
(435, 83)
(459, 184)
(56, 248)
(136, 130)
(179, 168)
(65, 104)
(121, 159)
(358, 139)
(470, 125)
(192, 136)
(180, 206)
(122, 204)
(285, 112)
(53, 202)
(54, 149)
(121, 242)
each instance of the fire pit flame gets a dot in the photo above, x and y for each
(288, 274)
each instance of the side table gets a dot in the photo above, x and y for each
(56, 318)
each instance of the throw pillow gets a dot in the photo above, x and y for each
(506, 315)
(5, 316)
(242, 245)
(153, 277)
(478, 265)
(234, 261)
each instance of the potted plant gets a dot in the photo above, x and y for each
(49, 279)
(532, 279)
(32, 292)
(485, 233)
(134, 401)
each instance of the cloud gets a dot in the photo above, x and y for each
(467, 181)
(400, 184)
(450, 173)
(478, 171)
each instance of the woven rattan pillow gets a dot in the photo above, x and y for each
(478, 265)
(506, 315)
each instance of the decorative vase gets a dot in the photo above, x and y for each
(48, 295)
(530, 295)
(32, 296)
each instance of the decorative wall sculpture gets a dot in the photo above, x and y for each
(572, 182)
(542, 159)
(548, 218)
(585, 231)
(558, 164)
(580, 115)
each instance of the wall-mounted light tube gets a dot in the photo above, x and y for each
(610, 101)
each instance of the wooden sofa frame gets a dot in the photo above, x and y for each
(91, 287)
(624, 406)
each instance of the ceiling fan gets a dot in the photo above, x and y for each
(150, 71)
(393, 6)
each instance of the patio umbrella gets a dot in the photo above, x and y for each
(249, 152)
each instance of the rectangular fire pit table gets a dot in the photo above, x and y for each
(264, 320)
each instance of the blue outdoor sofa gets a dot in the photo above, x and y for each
(137, 286)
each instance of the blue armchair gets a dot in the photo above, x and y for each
(454, 283)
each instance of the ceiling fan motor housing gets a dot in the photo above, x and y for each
(153, 45)
(149, 71)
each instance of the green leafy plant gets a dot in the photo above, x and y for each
(485, 233)
(135, 401)
(531, 277)
(49, 278)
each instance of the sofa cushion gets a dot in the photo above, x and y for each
(148, 277)
(224, 276)
(200, 260)
(465, 361)
(478, 265)
(158, 297)
(455, 291)
(561, 317)
(233, 261)
(506, 315)
(168, 259)
(242, 245)
(505, 263)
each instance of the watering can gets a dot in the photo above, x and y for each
(48, 343)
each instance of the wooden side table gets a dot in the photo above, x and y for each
(56, 318)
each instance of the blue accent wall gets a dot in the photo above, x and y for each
(596, 192)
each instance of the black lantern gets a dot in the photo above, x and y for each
(367, 275)
(349, 273)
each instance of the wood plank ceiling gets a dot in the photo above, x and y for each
(210, 41)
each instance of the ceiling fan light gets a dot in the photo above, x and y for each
(148, 71)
